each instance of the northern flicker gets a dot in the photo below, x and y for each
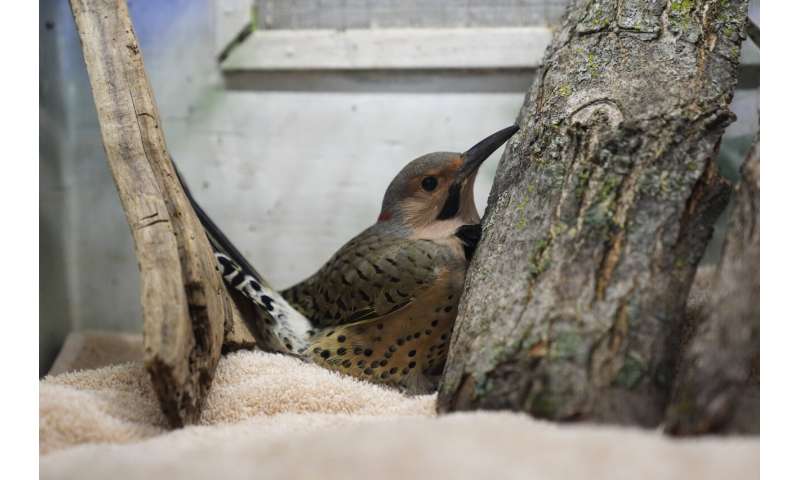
(382, 308)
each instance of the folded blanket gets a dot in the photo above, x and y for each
(273, 416)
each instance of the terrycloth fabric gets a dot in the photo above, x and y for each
(270, 416)
(117, 404)
(95, 349)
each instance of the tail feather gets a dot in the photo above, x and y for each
(218, 239)
(291, 327)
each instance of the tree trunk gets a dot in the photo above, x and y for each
(600, 211)
(717, 388)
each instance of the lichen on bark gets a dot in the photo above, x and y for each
(600, 211)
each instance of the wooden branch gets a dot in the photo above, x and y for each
(600, 211)
(717, 388)
(185, 306)
(754, 32)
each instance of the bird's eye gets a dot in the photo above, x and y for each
(429, 183)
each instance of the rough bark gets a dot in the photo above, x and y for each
(717, 387)
(186, 308)
(600, 211)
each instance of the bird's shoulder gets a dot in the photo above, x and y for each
(374, 274)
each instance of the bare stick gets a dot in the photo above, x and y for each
(717, 388)
(753, 32)
(185, 306)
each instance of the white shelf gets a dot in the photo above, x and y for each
(390, 49)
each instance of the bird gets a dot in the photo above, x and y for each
(382, 308)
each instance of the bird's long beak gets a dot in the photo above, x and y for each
(475, 156)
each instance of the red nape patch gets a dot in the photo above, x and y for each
(384, 216)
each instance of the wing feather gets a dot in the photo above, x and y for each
(371, 276)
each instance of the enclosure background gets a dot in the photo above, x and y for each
(289, 175)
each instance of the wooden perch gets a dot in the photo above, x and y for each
(717, 388)
(600, 211)
(186, 308)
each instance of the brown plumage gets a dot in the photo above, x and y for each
(383, 307)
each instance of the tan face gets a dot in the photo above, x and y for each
(428, 193)
(433, 195)
(437, 200)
